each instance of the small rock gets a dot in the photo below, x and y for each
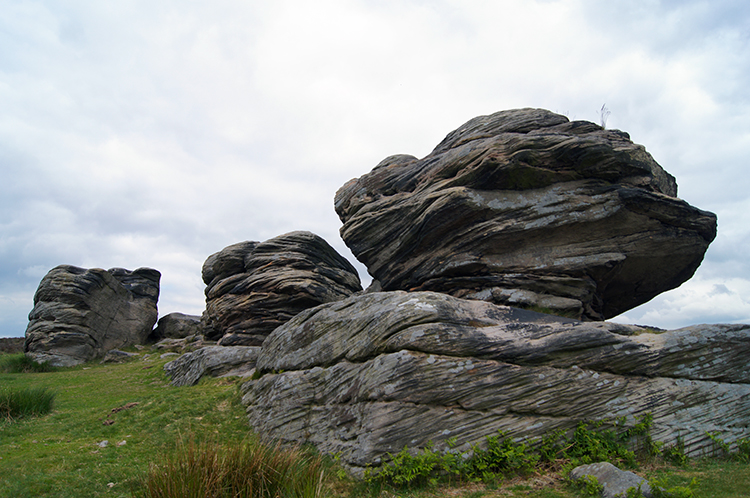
(117, 356)
(616, 482)
(102, 444)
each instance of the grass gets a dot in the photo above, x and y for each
(153, 428)
(131, 406)
(20, 363)
(26, 402)
(246, 470)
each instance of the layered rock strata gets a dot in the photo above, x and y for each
(215, 361)
(253, 287)
(176, 326)
(527, 209)
(376, 372)
(79, 314)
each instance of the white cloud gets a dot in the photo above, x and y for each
(700, 300)
(141, 134)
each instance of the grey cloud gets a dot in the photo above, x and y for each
(142, 134)
(719, 289)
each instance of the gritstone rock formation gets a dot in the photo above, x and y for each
(253, 287)
(80, 314)
(376, 372)
(216, 361)
(527, 209)
(176, 326)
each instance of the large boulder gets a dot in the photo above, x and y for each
(253, 287)
(376, 372)
(79, 314)
(527, 209)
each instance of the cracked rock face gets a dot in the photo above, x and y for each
(253, 287)
(376, 372)
(79, 314)
(525, 208)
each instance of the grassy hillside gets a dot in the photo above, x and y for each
(131, 406)
(145, 421)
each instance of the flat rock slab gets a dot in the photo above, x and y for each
(527, 209)
(373, 373)
(215, 361)
(79, 314)
(253, 287)
(616, 482)
(117, 356)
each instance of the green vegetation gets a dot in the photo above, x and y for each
(246, 470)
(502, 456)
(589, 486)
(131, 406)
(160, 437)
(20, 363)
(27, 402)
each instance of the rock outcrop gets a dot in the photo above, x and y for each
(176, 326)
(253, 287)
(379, 371)
(215, 361)
(527, 209)
(80, 314)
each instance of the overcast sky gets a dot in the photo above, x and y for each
(141, 133)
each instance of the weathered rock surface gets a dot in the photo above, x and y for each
(80, 314)
(176, 326)
(376, 372)
(184, 345)
(616, 482)
(216, 361)
(253, 287)
(527, 209)
(117, 356)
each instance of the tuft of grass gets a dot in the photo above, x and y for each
(20, 363)
(26, 402)
(246, 470)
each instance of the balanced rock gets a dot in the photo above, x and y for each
(376, 372)
(527, 209)
(253, 287)
(80, 314)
